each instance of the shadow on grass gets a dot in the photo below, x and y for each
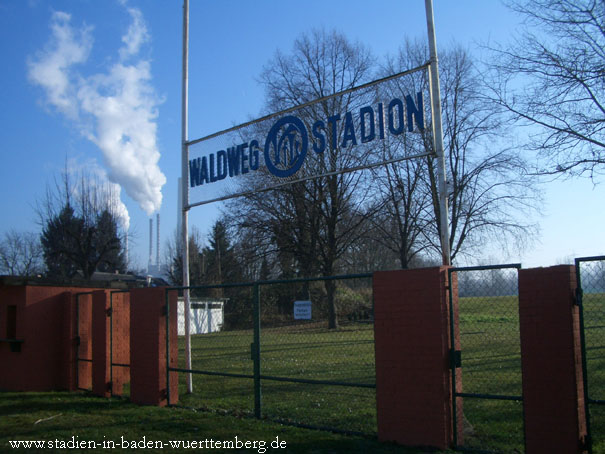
(61, 416)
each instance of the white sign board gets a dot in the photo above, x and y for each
(302, 310)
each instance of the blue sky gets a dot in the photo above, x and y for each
(78, 75)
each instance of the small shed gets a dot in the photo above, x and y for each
(205, 316)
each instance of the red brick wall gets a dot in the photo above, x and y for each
(148, 346)
(551, 360)
(46, 323)
(84, 349)
(413, 380)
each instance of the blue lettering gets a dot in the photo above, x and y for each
(416, 112)
(367, 136)
(221, 165)
(396, 102)
(349, 131)
(204, 170)
(245, 157)
(194, 172)
(254, 155)
(212, 169)
(332, 123)
(380, 121)
(233, 159)
(319, 145)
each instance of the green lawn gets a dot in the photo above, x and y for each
(491, 365)
(306, 352)
(61, 417)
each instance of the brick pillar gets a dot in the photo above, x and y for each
(84, 349)
(121, 341)
(413, 379)
(69, 368)
(148, 346)
(552, 362)
(100, 344)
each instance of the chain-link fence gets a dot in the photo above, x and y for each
(590, 272)
(299, 350)
(490, 358)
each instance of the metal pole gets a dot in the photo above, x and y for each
(185, 182)
(438, 136)
(256, 352)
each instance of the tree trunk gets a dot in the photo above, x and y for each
(332, 309)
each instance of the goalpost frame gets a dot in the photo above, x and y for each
(434, 88)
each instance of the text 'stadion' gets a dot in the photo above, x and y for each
(288, 141)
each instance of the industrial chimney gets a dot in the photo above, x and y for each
(150, 245)
(157, 245)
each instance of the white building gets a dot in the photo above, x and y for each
(206, 316)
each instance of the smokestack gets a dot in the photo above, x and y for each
(157, 246)
(179, 213)
(150, 244)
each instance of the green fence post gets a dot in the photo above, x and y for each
(257, 385)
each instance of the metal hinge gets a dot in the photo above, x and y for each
(78, 340)
(109, 312)
(456, 358)
(579, 297)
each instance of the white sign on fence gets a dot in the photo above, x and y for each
(302, 310)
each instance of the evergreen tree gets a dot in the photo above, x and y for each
(70, 244)
(80, 232)
(107, 246)
(59, 242)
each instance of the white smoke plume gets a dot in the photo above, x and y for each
(116, 109)
(89, 176)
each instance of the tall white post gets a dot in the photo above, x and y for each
(444, 234)
(185, 182)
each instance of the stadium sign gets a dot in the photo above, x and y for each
(287, 143)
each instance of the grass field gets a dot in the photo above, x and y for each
(491, 364)
(61, 416)
(310, 353)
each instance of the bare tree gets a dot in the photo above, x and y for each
(313, 222)
(490, 193)
(20, 254)
(80, 228)
(551, 79)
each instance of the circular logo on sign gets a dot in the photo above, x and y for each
(286, 146)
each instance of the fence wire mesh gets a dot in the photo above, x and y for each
(591, 274)
(491, 358)
(313, 373)
(221, 334)
(308, 372)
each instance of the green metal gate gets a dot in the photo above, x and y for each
(270, 363)
(590, 275)
(490, 401)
